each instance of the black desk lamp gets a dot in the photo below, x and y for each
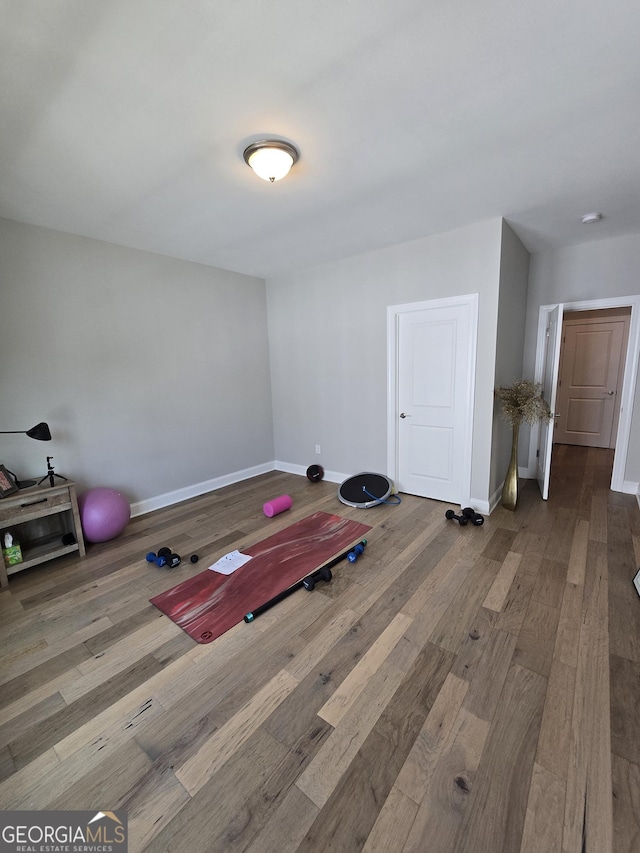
(40, 432)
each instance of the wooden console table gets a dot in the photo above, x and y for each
(38, 518)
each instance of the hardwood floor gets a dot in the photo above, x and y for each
(457, 689)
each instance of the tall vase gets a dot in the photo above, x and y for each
(510, 488)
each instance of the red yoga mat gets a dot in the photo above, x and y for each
(208, 604)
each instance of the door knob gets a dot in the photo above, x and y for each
(403, 415)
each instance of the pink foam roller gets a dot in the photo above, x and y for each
(277, 505)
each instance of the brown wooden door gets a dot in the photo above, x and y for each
(590, 371)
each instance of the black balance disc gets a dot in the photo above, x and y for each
(365, 490)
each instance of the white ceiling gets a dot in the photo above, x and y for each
(125, 120)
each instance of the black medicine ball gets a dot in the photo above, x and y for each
(315, 473)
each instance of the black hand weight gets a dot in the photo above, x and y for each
(461, 519)
(322, 574)
(473, 516)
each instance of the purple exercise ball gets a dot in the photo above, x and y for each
(104, 514)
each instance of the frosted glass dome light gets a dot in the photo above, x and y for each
(270, 159)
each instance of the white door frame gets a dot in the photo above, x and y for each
(627, 396)
(393, 413)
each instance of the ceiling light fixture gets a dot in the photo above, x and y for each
(591, 217)
(270, 159)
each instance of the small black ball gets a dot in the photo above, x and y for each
(315, 473)
(194, 558)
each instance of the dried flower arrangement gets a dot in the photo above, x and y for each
(523, 401)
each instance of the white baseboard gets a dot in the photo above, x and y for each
(631, 488)
(288, 468)
(495, 498)
(170, 498)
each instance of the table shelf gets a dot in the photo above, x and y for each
(38, 518)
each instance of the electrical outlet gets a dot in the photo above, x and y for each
(318, 451)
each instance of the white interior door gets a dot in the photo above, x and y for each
(549, 392)
(588, 390)
(436, 349)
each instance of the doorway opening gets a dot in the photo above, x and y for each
(547, 372)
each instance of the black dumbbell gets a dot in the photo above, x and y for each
(461, 519)
(473, 516)
(323, 574)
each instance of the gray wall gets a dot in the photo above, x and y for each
(153, 373)
(157, 374)
(327, 336)
(512, 308)
(604, 268)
